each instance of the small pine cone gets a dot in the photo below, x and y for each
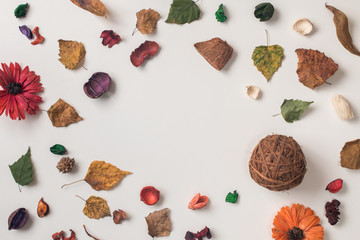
(65, 164)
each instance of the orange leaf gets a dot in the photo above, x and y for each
(94, 6)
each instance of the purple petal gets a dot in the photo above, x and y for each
(26, 31)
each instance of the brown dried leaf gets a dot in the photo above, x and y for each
(158, 223)
(147, 20)
(71, 53)
(314, 68)
(103, 176)
(94, 6)
(350, 155)
(216, 51)
(62, 114)
(96, 207)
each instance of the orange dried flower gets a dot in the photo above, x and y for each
(297, 223)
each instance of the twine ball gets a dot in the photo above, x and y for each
(277, 163)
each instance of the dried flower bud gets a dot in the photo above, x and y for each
(98, 84)
(18, 218)
(119, 216)
(342, 107)
(43, 208)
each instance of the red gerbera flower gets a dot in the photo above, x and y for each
(19, 89)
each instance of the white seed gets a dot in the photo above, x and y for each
(303, 26)
(342, 107)
(253, 91)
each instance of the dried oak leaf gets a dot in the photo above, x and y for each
(103, 176)
(94, 6)
(314, 68)
(147, 20)
(350, 155)
(216, 51)
(96, 207)
(267, 59)
(158, 223)
(62, 114)
(144, 51)
(71, 53)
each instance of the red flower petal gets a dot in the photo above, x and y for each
(110, 38)
(198, 202)
(335, 186)
(145, 51)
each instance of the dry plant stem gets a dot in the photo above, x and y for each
(90, 234)
(72, 183)
(135, 29)
(267, 38)
(80, 198)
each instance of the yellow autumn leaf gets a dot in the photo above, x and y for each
(62, 114)
(71, 53)
(96, 207)
(103, 176)
(147, 20)
(94, 6)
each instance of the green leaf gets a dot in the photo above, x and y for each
(58, 149)
(291, 110)
(220, 15)
(22, 169)
(183, 11)
(264, 11)
(268, 59)
(21, 10)
(232, 197)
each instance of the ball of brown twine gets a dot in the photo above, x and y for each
(277, 163)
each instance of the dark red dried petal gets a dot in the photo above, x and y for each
(145, 51)
(149, 195)
(205, 233)
(332, 211)
(189, 236)
(335, 186)
(110, 38)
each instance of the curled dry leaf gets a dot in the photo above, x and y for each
(144, 51)
(342, 107)
(216, 51)
(96, 207)
(62, 114)
(71, 53)
(198, 202)
(253, 91)
(350, 155)
(94, 6)
(147, 20)
(303, 26)
(159, 223)
(314, 68)
(342, 30)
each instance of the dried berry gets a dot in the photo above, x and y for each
(39, 38)
(198, 202)
(18, 218)
(26, 31)
(58, 149)
(21, 10)
(199, 235)
(98, 84)
(332, 211)
(110, 38)
(65, 164)
(335, 186)
(149, 195)
(232, 197)
(43, 208)
(119, 216)
(144, 51)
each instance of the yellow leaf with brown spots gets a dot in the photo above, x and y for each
(147, 20)
(71, 53)
(103, 176)
(96, 207)
(62, 114)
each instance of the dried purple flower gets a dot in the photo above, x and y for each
(332, 211)
(26, 31)
(18, 218)
(109, 38)
(98, 84)
(199, 235)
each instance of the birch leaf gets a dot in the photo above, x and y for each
(159, 223)
(22, 169)
(291, 110)
(267, 59)
(183, 11)
(94, 6)
(71, 53)
(147, 20)
(96, 207)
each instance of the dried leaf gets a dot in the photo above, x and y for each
(267, 59)
(183, 11)
(71, 53)
(292, 110)
(62, 114)
(96, 207)
(216, 51)
(314, 68)
(350, 155)
(159, 223)
(21, 170)
(147, 20)
(94, 6)
(103, 176)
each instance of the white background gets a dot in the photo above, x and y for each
(175, 122)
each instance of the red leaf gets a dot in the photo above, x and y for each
(335, 186)
(145, 51)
